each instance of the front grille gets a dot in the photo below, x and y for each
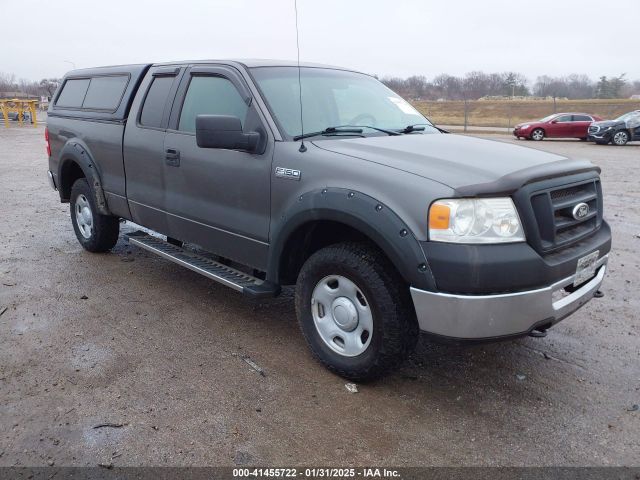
(594, 129)
(553, 210)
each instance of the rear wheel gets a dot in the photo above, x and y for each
(355, 311)
(620, 138)
(537, 134)
(95, 232)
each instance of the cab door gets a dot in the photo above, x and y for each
(143, 151)
(218, 198)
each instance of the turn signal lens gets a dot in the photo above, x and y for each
(439, 215)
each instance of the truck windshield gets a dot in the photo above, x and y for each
(334, 97)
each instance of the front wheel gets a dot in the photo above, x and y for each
(95, 232)
(537, 134)
(620, 138)
(355, 311)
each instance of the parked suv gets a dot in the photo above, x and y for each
(558, 125)
(623, 129)
(385, 225)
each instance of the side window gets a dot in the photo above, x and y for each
(155, 101)
(582, 118)
(563, 118)
(210, 95)
(73, 92)
(105, 93)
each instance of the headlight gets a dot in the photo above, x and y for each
(470, 220)
(524, 127)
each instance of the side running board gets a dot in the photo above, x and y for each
(240, 281)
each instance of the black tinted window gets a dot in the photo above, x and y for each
(155, 101)
(105, 93)
(582, 118)
(210, 95)
(73, 92)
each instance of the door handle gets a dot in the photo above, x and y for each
(172, 157)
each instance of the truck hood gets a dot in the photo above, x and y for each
(469, 165)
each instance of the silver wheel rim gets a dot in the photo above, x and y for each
(342, 315)
(620, 138)
(84, 217)
(537, 135)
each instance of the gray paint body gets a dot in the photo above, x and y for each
(233, 204)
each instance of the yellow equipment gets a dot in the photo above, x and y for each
(19, 106)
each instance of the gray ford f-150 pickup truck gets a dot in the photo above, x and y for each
(386, 225)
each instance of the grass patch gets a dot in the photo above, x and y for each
(507, 113)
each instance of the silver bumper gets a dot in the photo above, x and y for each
(477, 317)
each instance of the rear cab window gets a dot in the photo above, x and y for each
(155, 102)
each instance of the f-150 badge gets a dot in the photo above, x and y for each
(288, 173)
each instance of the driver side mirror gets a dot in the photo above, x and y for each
(224, 131)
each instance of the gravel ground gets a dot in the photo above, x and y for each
(132, 340)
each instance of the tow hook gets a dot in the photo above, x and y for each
(538, 333)
(598, 294)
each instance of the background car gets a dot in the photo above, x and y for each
(623, 129)
(558, 125)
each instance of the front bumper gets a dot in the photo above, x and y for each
(488, 317)
(517, 132)
(601, 136)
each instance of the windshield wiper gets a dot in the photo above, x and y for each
(420, 127)
(378, 129)
(412, 128)
(347, 129)
(329, 131)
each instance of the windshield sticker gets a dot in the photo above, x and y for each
(403, 105)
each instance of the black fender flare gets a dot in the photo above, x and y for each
(363, 213)
(75, 151)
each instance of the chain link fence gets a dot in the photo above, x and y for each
(505, 114)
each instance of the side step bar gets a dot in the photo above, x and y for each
(240, 281)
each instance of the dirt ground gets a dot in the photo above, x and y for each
(132, 340)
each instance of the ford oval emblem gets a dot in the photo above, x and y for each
(580, 211)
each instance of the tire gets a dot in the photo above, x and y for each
(355, 277)
(620, 138)
(95, 232)
(537, 134)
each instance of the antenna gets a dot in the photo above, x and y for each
(303, 148)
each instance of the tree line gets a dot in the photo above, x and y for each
(45, 87)
(475, 85)
(472, 86)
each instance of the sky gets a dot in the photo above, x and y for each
(383, 37)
